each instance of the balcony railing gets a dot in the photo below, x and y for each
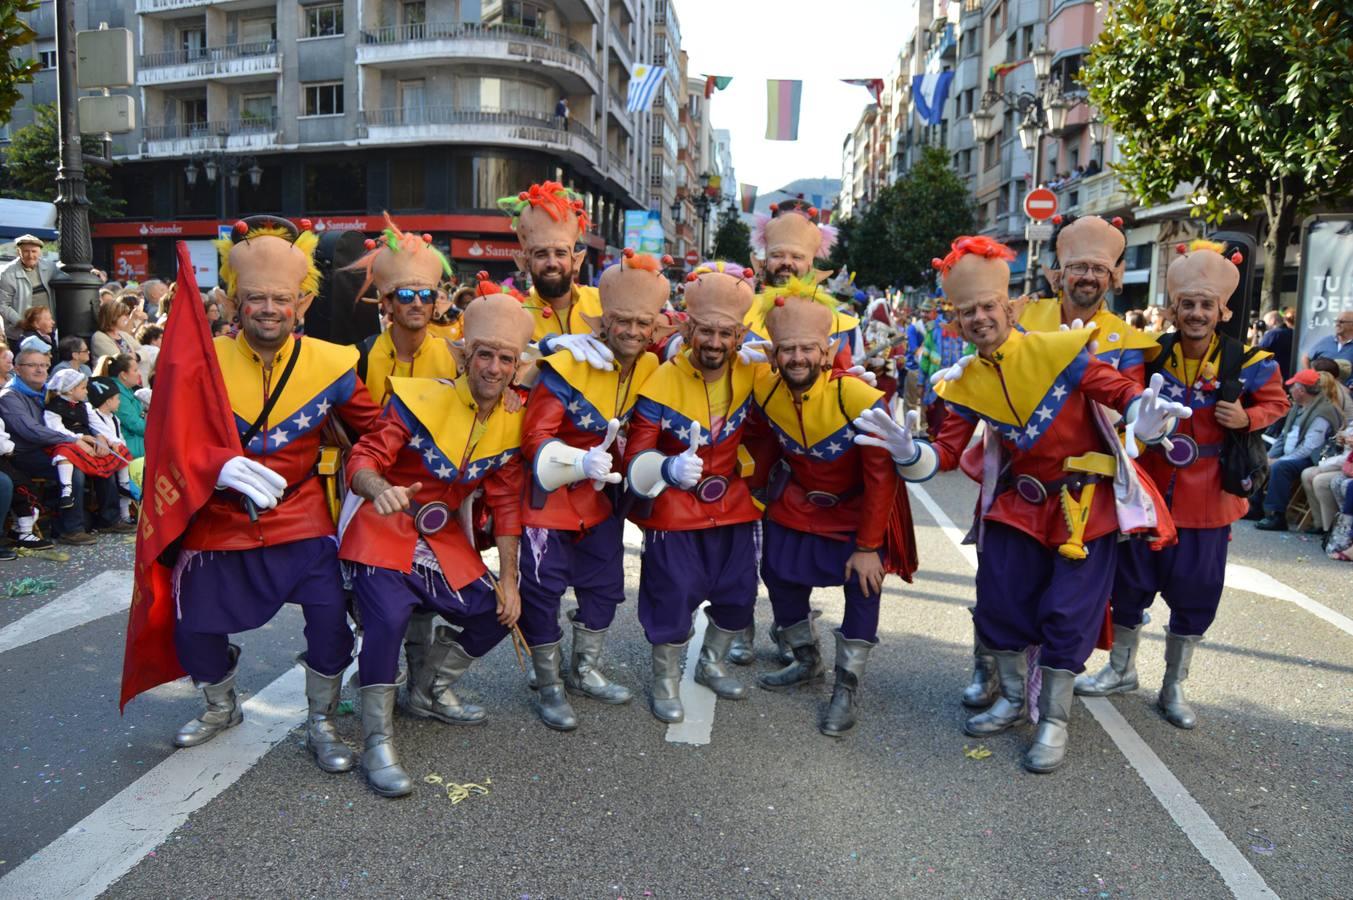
(207, 54)
(224, 130)
(482, 115)
(157, 6)
(474, 31)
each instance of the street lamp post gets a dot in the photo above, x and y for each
(76, 304)
(218, 163)
(1043, 111)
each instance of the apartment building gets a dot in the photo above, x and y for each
(339, 109)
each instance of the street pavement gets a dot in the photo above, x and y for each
(1255, 802)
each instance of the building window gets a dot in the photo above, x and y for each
(996, 23)
(257, 31)
(193, 114)
(1028, 39)
(323, 99)
(527, 15)
(257, 111)
(47, 58)
(991, 151)
(324, 21)
(406, 184)
(335, 187)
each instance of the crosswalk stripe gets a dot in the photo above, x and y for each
(1210, 841)
(107, 843)
(104, 594)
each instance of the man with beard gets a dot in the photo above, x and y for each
(436, 444)
(1089, 264)
(1229, 387)
(573, 532)
(241, 561)
(696, 510)
(1048, 526)
(836, 513)
(550, 220)
(406, 270)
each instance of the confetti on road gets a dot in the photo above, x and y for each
(978, 752)
(27, 587)
(456, 792)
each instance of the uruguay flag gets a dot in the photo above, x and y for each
(644, 82)
(928, 92)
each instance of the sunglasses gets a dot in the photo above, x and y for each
(408, 295)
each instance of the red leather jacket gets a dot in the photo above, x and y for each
(671, 402)
(423, 437)
(572, 403)
(323, 383)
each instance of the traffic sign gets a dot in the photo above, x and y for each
(1038, 231)
(1040, 204)
(692, 257)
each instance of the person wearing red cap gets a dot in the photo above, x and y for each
(1058, 488)
(1233, 390)
(1312, 420)
(573, 533)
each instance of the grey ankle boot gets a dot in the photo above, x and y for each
(981, 690)
(222, 712)
(434, 669)
(709, 668)
(552, 702)
(740, 652)
(584, 672)
(807, 666)
(667, 659)
(1119, 675)
(1178, 656)
(1048, 750)
(321, 693)
(1008, 710)
(380, 762)
(852, 656)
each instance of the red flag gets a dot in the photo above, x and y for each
(190, 433)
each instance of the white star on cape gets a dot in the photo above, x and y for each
(279, 437)
(1044, 413)
(1059, 392)
(302, 421)
(443, 473)
(324, 406)
(416, 442)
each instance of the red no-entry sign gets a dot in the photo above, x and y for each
(692, 257)
(1040, 204)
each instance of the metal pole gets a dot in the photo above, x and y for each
(76, 287)
(1031, 262)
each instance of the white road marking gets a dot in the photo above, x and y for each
(633, 536)
(104, 594)
(1211, 842)
(696, 698)
(107, 843)
(1244, 578)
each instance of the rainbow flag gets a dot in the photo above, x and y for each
(748, 197)
(782, 109)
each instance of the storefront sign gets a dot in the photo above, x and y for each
(131, 262)
(495, 251)
(1325, 288)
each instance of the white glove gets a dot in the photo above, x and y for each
(753, 351)
(864, 375)
(954, 372)
(1150, 418)
(674, 345)
(1093, 346)
(879, 429)
(596, 463)
(252, 479)
(586, 348)
(685, 469)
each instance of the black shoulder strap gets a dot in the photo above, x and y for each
(841, 397)
(273, 397)
(363, 354)
(1166, 342)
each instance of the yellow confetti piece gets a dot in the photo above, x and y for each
(456, 792)
(978, 752)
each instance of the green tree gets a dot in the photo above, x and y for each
(910, 223)
(14, 71)
(733, 240)
(30, 166)
(1246, 99)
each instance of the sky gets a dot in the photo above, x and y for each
(818, 42)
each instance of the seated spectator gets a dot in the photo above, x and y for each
(17, 488)
(1310, 422)
(1338, 370)
(213, 309)
(136, 312)
(155, 291)
(126, 374)
(1137, 319)
(33, 342)
(68, 412)
(220, 327)
(38, 322)
(113, 337)
(1323, 483)
(21, 409)
(73, 353)
(6, 366)
(149, 338)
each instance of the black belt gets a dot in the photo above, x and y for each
(1033, 490)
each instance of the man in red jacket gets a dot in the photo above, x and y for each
(837, 514)
(436, 443)
(268, 538)
(1054, 472)
(696, 509)
(573, 534)
(1191, 575)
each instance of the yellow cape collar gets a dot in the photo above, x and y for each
(441, 417)
(1114, 336)
(324, 376)
(1026, 381)
(592, 397)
